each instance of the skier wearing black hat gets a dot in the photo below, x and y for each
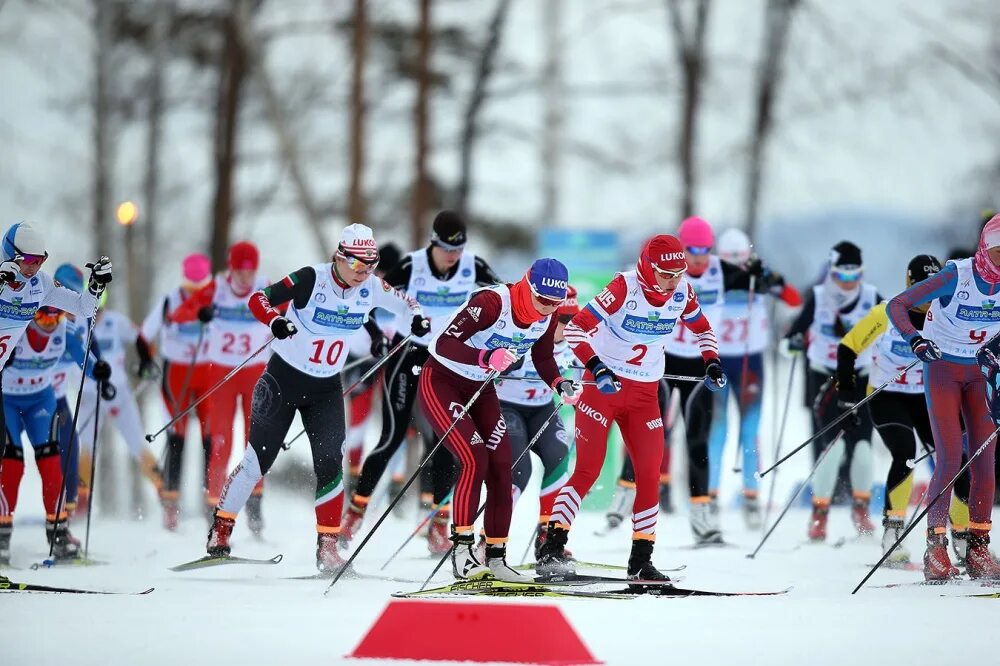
(832, 308)
(440, 277)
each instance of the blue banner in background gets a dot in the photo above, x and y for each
(592, 257)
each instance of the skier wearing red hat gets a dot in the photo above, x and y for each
(498, 325)
(620, 337)
(185, 374)
(232, 336)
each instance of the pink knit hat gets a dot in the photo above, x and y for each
(196, 268)
(696, 232)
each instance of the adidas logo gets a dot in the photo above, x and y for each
(475, 312)
(476, 439)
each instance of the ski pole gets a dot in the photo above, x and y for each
(912, 462)
(744, 371)
(409, 482)
(229, 375)
(93, 474)
(926, 509)
(781, 438)
(287, 445)
(416, 531)
(483, 506)
(798, 492)
(676, 378)
(829, 426)
(91, 323)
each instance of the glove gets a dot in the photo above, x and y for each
(756, 268)
(794, 344)
(100, 275)
(282, 328)
(9, 270)
(420, 325)
(206, 314)
(380, 345)
(852, 422)
(925, 349)
(102, 370)
(569, 391)
(108, 391)
(989, 365)
(715, 378)
(498, 359)
(148, 369)
(606, 380)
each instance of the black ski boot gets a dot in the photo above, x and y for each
(64, 545)
(554, 559)
(5, 533)
(640, 562)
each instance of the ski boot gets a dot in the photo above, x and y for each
(64, 545)
(171, 510)
(666, 500)
(705, 524)
(751, 511)
(640, 562)
(353, 517)
(979, 561)
(859, 516)
(817, 524)
(541, 533)
(894, 526)
(937, 565)
(464, 564)
(496, 561)
(328, 559)
(5, 534)
(219, 534)
(960, 545)
(438, 542)
(255, 518)
(621, 506)
(554, 558)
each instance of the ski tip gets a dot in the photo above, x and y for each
(277, 558)
(147, 591)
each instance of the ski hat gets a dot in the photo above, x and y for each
(389, 256)
(696, 232)
(70, 277)
(548, 278)
(22, 239)
(358, 241)
(663, 252)
(196, 269)
(989, 238)
(448, 230)
(243, 255)
(734, 246)
(845, 254)
(571, 306)
(920, 268)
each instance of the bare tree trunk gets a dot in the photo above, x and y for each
(470, 127)
(777, 21)
(554, 113)
(357, 208)
(232, 72)
(287, 143)
(420, 201)
(102, 111)
(691, 55)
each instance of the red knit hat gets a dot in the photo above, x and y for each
(243, 255)
(663, 253)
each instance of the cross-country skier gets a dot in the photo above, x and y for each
(232, 337)
(440, 278)
(185, 374)
(327, 304)
(962, 316)
(486, 337)
(831, 309)
(620, 337)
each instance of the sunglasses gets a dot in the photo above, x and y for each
(357, 264)
(32, 259)
(669, 274)
(546, 300)
(698, 251)
(847, 275)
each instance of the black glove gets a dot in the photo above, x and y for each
(420, 325)
(606, 380)
(206, 314)
(148, 369)
(715, 378)
(796, 343)
(851, 422)
(380, 345)
(282, 328)
(9, 270)
(925, 349)
(100, 275)
(756, 268)
(102, 370)
(108, 391)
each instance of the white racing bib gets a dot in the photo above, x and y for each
(524, 387)
(740, 327)
(439, 299)
(892, 354)
(31, 371)
(823, 339)
(709, 288)
(969, 320)
(234, 333)
(17, 310)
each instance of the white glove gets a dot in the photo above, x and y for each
(9, 271)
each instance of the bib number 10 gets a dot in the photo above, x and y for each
(331, 355)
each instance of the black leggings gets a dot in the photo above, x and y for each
(696, 408)
(523, 423)
(399, 392)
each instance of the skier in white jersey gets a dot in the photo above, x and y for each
(113, 331)
(440, 278)
(328, 303)
(232, 337)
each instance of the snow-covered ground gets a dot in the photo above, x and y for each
(254, 615)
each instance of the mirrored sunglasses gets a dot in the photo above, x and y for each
(48, 316)
(33, 259)
(847, 275)
(359, 265)
(546, 300)
(697, 251)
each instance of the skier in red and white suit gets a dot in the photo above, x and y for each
(483, 339)
(232, 336)
(620, 337)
